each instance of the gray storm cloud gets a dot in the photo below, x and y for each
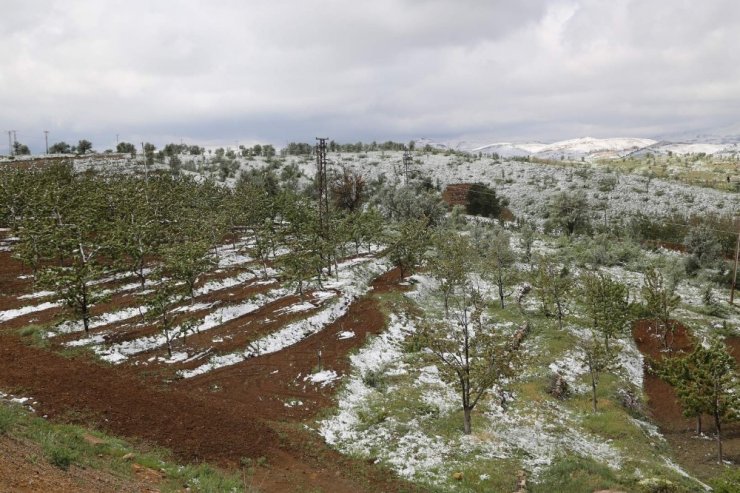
(389, 69)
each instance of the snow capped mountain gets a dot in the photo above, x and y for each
(592, 148)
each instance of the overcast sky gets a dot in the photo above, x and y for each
(274, 71)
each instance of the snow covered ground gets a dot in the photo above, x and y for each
(353, 280)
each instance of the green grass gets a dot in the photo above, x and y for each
(65, 446)
(35, 334)
(577, 475)
(728, 482)
(611, 424)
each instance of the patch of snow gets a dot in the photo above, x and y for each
(352, 282)
(98, 321)
(296, 308)
(322, 378)
(25, 310)
(37, 294)
(117, 353)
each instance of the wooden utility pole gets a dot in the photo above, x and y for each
(46, 140)
(10, 143)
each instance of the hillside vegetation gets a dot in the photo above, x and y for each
(460, 352)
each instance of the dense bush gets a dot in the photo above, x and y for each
(483, 201)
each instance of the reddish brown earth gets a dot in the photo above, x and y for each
(221, 417)
(697, 454)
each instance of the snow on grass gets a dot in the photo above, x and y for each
(25, 310)
(675, 467)
(571, 368)
(410, 454)
(543, 433)
(534, 432)
(119, 352)
(352, 280)
(27, 402)
(322, 378)
(631, 362)
(538, 435)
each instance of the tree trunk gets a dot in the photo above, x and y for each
(698, 424)
(169, 342)
(140, 273)
(718, 426)
(85, 310)
(466, 418)
(501, 292)
(593, 392)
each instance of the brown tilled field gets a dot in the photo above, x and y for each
(251, 409)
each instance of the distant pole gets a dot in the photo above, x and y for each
(323, 187)
(46, 140)
(146, 164)
(10, 143)
(734, 271)
(406, 163)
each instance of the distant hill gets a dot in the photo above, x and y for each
(590, 148)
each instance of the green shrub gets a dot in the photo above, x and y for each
(728, 482)
(8, 417)
(375, 379)
(61, 456)
(483, 201)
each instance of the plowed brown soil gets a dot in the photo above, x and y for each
(224, 416)
(697, 454)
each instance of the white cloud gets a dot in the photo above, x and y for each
(286, 70)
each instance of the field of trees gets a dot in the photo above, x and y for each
(568, 330)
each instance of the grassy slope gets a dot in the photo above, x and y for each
(397, 407)
(75, 451)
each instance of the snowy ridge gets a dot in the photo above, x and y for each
(590, 147)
